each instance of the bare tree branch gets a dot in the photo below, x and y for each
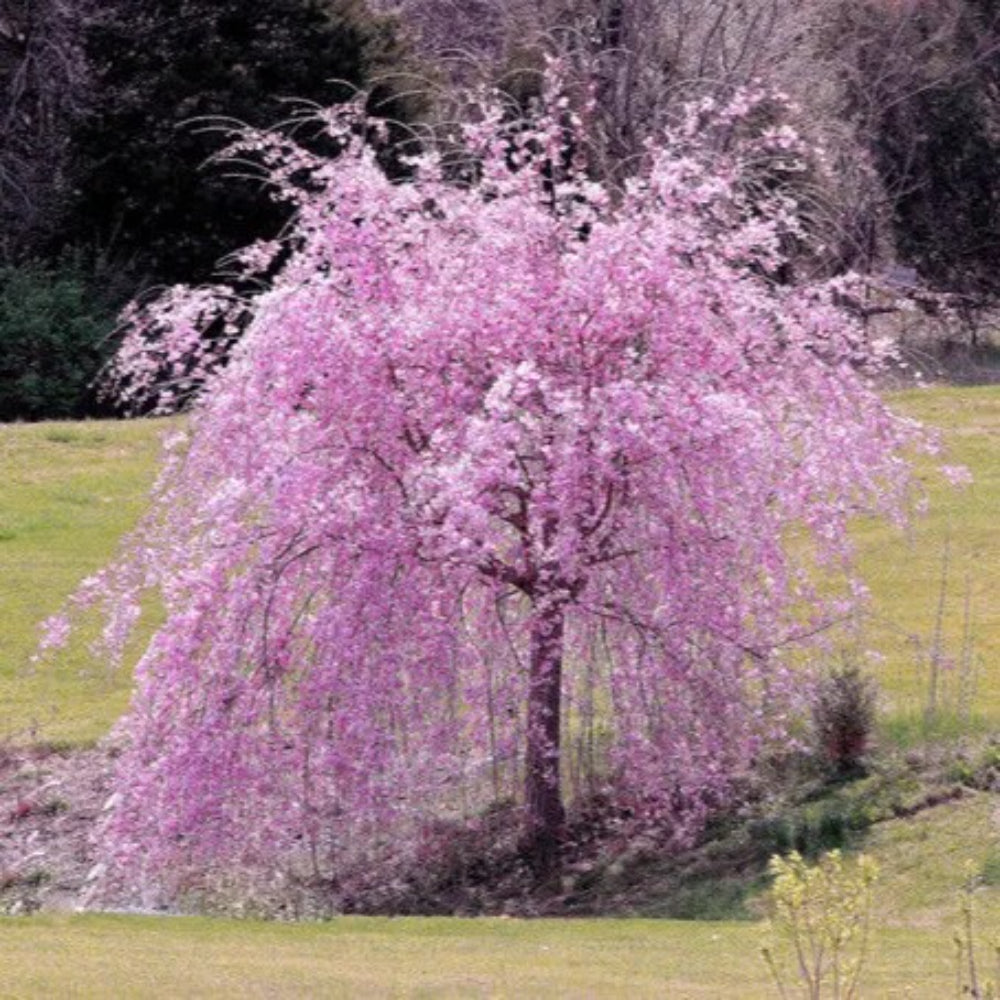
(42, 86)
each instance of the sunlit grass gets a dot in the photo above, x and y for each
(935, 591)
(924, 860)
(68, 492)
(356, 957)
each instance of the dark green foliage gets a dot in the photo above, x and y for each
(936, 143)
(143, 187)
(947, 215)
(54, 329)
(843, 717)
(814, 827)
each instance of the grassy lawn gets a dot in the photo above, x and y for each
(950, 560)
(912, 953)
(71, 490)
(923, 859)
(68, 493)
(101, 956)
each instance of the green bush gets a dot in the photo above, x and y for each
(820, 921)
(53, 335)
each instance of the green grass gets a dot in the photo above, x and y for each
(101, 956)
(69, 491)
(952, 551)
(922, 859)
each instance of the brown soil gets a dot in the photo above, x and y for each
(50, 805)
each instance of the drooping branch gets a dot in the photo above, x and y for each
(567, 508)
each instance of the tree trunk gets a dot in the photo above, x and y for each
(544, 813)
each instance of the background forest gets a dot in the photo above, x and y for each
(111, 111)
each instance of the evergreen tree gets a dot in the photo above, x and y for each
(161, 68)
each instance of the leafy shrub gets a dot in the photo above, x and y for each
(843, 717)
(822, 915)
(53, 334)
(977, 767)
(815, 827)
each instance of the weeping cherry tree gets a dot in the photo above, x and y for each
(490, 500)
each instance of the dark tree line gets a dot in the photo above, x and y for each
(106, 137)
(937, 141)
(43, 87)
(107, 183)
(904, 95)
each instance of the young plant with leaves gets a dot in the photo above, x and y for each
(822, 914)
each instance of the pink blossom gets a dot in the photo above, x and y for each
(489, 500)
(55, 633)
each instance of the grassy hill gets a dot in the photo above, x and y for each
(935, 607)
(71, 490)
(68, 493)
